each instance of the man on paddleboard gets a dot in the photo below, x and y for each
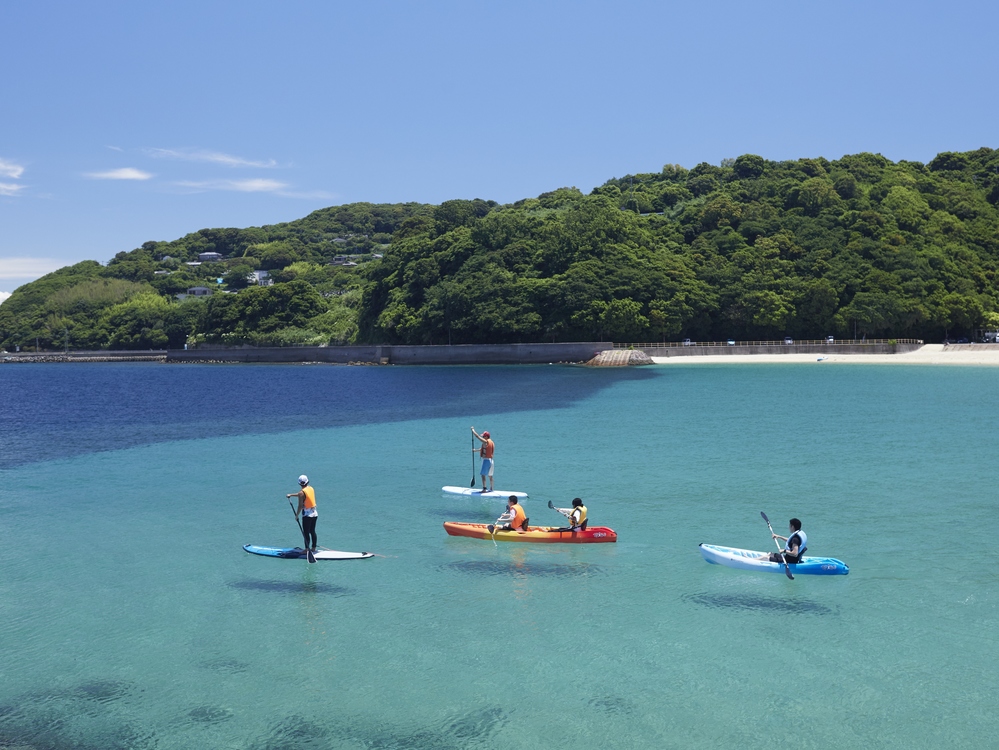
(795, 544)
(307, 508)
(486, 452)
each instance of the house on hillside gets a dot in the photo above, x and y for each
(209, 257)
(260, 278)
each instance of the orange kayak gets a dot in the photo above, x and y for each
(539, 534)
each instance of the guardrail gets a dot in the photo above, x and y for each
(796, 342)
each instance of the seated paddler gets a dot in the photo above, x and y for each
(795, 544)
(514, 519)
(576, 515)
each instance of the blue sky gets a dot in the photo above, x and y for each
(123, 122)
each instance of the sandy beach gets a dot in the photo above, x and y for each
(980, 355)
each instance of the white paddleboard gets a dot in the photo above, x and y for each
(473, 492)
(297, 553)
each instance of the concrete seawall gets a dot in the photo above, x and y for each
(462, 354)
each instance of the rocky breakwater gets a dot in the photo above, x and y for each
(620, 358)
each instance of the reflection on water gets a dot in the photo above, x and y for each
(759, 603)
(538, 570)
(291, 587)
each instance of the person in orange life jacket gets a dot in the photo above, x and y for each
(307, 508)
(576, 515)
(795, 544)
(486, 452)
(514, 519)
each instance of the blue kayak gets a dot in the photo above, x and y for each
(297, 553)
(747, 559)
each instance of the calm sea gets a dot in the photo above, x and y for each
(130, 617)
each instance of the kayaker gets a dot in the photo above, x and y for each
(486, 453)
(576, 515)
(307, 508)
(514, 519)
(795, 544)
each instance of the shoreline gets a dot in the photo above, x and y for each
(974, 355)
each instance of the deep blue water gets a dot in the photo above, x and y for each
(59, 410)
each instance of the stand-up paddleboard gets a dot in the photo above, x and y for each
(473, 492)
(297, 553)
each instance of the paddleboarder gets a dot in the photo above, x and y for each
(486, 452)
(307, 508)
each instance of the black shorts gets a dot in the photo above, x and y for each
(778, 558)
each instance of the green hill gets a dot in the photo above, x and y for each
(751, 249)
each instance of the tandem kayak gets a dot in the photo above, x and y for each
(297, 553)
(540, 534)
(747, 559)
(473, 492)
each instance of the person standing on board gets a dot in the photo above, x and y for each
(795, 544)
(486, 452)
(307, 508)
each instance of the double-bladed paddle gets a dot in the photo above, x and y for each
(787, 568)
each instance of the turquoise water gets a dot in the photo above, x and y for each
(130, 617)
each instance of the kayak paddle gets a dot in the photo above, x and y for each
(787, 568)
(557, 510)
(308, 552)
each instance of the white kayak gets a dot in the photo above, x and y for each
(747, 559)
(473, 492)
(297, 553)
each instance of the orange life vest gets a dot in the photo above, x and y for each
(310, 498)
(519, 516)
(486, 451)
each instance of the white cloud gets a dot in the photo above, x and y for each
(125, 173)
(257, 185)
(4, 296)
(9, 188)
(23, 268)
(10, 169)
(212, 157)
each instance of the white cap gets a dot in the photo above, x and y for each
(303, 479)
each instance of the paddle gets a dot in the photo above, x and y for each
(308, 552)
(567, 515)
(787, 568)
(473, 460)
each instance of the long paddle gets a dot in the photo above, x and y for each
(787, 568)
(473, 461)
(308, 552)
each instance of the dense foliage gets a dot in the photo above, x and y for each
(751, 249)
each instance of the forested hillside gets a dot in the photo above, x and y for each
(750, 249)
